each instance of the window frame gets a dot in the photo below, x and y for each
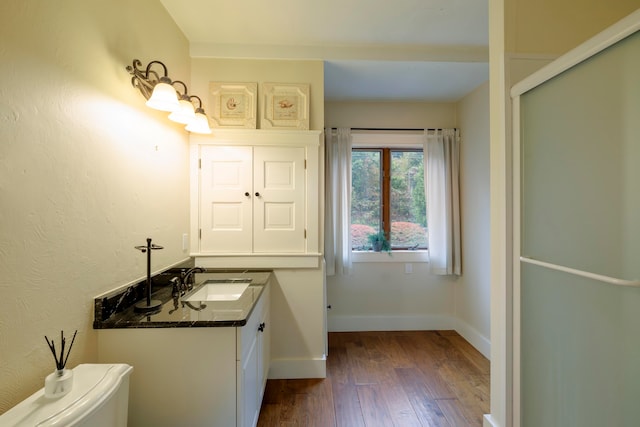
(390, 141)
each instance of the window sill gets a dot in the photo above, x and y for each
(395, 256)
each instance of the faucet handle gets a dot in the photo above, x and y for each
(175, 287)
(187, 276)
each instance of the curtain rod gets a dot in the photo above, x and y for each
(395, 129)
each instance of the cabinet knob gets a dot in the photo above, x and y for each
(247, 194)
(257, 194)
(261, 327)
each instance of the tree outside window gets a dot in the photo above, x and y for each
(388, 195)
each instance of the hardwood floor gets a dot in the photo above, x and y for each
(376, 379)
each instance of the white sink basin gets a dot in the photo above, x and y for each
(218, 292)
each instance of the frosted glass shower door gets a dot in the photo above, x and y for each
(580, 208)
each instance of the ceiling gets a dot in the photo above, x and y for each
(410, 50)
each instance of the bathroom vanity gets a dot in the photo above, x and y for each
(202, 360)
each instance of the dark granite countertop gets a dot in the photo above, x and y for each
(116, 310)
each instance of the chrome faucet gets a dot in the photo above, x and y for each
(186, 277)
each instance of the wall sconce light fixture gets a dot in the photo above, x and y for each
(185, 113)
(160, 93)
(200, 124)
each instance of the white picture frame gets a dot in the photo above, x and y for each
(284, 106)
(233, 105)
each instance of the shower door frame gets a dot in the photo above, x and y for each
(607, 38)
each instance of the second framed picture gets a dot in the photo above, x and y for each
(284, 106)
(233, 105)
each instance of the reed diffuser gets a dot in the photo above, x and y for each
(59, 382)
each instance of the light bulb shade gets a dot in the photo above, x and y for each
(199, 125)
(185, 114)
(163, 98)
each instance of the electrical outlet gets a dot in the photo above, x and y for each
(185, 241)
(408, 268)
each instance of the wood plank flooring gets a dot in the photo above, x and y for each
(379, 379)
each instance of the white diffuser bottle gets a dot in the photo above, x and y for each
(58, 383)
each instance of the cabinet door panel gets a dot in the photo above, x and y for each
(248, 404)
(279, 216)
(250, 354)
(279, 210)
(226, 199)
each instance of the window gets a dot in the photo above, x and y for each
(387, 194)
(355, 165)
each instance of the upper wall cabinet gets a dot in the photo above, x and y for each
(256, 193)
(252, 199)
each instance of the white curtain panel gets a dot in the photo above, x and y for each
(337, 236)
(442, 187)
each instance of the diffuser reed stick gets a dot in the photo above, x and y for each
(61, 361)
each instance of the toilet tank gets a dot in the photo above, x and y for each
(99, 398)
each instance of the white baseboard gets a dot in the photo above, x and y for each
(475, 338)
(488, 421)
(298, 368)
(390, 323)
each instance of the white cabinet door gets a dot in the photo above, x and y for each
(252, 371)
(252, 199)
(249, 387)
(226, 184)
(279, 204)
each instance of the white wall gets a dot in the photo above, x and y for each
(381, 295)
(297, 324)
(86, 172)
(206, 70)
(472, 291)
(556, 26)
(404, 115)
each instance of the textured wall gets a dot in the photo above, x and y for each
(86, 171)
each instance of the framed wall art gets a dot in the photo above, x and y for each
(233, 105)
(284, 106)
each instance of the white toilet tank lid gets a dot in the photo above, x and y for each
(93, 385)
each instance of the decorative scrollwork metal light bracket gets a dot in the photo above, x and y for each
(161, 94)
(145, 80)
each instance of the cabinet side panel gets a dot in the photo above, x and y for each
(181, 376)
